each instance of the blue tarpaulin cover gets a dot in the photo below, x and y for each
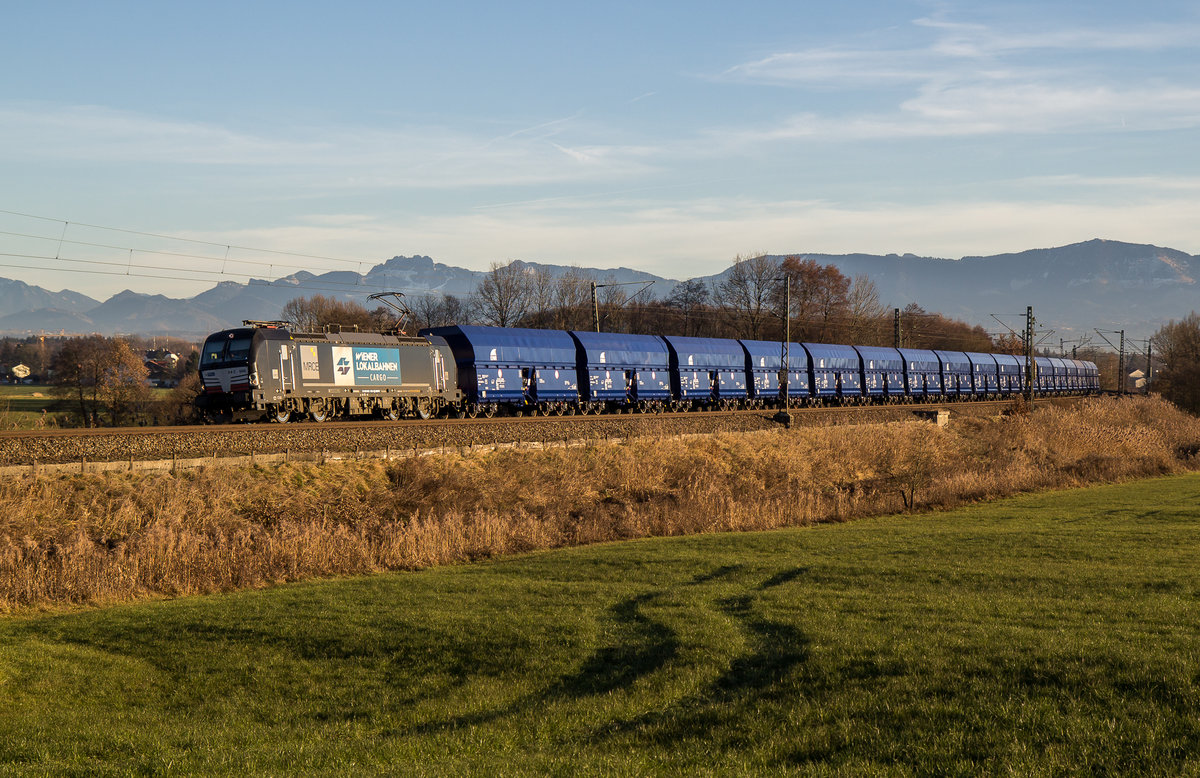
(956, 371)
(510, 364)
(834, 369)
(764, 359)
(615, 366)
(694, 360)
(883, 370)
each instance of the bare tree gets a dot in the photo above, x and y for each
(691, 299)
(748, 294)
(819, 297)
(439, 311)
(572, 295)
(611, 299)
(866, 313)
(504, 294)
(541, 297)
(1178, 345)
(101, 377)
(311, 314)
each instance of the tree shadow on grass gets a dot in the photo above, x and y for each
(774, 650)
(782, 577)
(639, 647)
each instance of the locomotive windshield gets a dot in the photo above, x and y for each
(225, 349)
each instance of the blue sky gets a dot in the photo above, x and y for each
(668, 137)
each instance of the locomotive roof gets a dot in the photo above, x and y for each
(357, 338)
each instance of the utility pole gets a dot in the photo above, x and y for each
(785, 348)
(1121, 365)
(1149, 363)
(595, 309)
(896, 328)
(1030, 364)
(1120, 349)
(785, 372)
(596, 303)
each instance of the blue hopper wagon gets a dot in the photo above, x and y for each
(622, 371)
(1011, 373)
(836, 372)
(765, 368)
(521, 369)
(956, 373)
(883, 373)
(985, 374)
(923, 370)
(707, 372)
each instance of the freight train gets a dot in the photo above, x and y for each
(265, 371)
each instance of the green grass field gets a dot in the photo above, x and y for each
(21, 406)
(32, 406)
(1051, 634)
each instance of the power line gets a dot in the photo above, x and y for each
(65, 223)
(226, 258)
(299, 286)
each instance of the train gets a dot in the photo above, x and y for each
(265, 371)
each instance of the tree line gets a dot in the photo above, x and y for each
(1177, 344)
(760, 298)
(105, 381)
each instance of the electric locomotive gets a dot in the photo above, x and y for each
(263, 370)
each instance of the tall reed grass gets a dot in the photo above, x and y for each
(94, 538)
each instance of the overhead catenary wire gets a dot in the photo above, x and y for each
(252, 281)
(182, 239)
(224, 260)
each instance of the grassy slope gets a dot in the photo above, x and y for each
(22, 406)
(1044, 634)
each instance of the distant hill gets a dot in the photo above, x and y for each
(1098, 283)
(19, 296)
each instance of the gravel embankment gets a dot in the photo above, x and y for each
(240, 440)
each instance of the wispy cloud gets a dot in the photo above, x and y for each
(956, 50)
(336, 157)
(977, 40)
(971, 79)
(939, 111)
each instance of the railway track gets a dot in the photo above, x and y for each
(26, 447)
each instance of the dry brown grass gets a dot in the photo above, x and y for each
(117, 536)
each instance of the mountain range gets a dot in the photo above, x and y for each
(1095, 284)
